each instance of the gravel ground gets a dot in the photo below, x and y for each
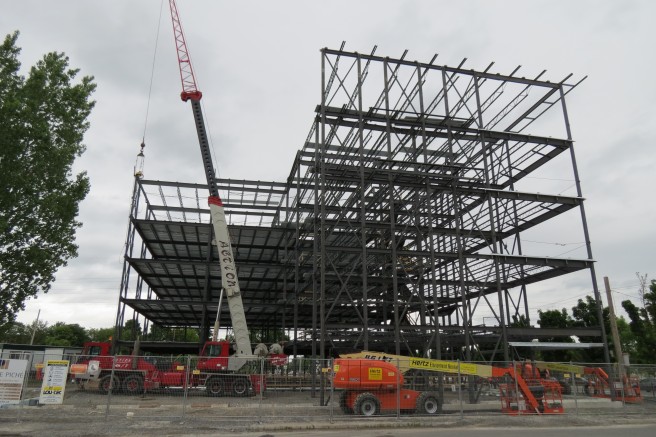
(88, 414)
(74, 424)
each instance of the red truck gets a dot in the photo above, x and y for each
(213, 369)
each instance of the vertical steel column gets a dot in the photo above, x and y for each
(456, 213)
(315, 241)
(518, 239)
(586, 233)
(322, 203)
(286, 269)
(491, 214)
(363, 215)
(397, 336)
(322, 243)
(297, 269)
(429, 210)
(125, 274)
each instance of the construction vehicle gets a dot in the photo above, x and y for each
(597, 382)
(133, 374)
(372, 386)
(216, 369)
(372, 383)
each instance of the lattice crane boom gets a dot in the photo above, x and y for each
(189, 87)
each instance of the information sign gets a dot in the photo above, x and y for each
(12, 375)
(54, 382)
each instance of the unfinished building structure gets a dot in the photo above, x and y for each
(401, 226)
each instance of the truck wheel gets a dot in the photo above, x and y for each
(428, 403)
(133, 385)
(106, 383)
(215, 387)
(366, 404)
(343, 405)
(240, 387)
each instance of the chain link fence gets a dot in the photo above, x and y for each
(310, 390)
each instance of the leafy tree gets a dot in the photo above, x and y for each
(557, 319)
(158, 333)
(63, 334)
(100, 334)
(628, 340)
(20, 333)
(267, 336)
(520, 322)
(585, 315)
(643, 326)
(131, 329)
(42, 122)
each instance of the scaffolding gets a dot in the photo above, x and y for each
(401, 224)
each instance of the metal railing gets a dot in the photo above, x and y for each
(305, 389)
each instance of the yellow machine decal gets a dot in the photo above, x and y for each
(375, 374)
(406, 363)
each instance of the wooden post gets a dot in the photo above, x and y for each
(614, 331)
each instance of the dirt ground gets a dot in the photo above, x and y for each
(87, 413)
(80, 423)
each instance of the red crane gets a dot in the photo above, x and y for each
(229, 279)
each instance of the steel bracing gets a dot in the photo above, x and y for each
(400, 226)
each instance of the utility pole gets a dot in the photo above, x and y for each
(36, 323)
(643, 287)
(614, 331)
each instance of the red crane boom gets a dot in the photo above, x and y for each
(189, 87)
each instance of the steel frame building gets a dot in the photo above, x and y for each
(401, 223)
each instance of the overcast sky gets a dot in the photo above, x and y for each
(258, 66)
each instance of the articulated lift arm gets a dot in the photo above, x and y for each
(229, 279)
(404, 363)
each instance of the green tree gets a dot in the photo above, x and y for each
(64, 334)
(586, 315)
(42, 122)
(20, 333)
(627, 338)
(643, 326)
(158, 333)
(267, 336)
(130, 330)
(557, 319)
(100, 334)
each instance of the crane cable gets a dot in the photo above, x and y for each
(152, 73)
(143, 138)
(150, 88)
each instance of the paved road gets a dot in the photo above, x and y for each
(639, 430)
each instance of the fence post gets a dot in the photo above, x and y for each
(262, 388)
(575, 390)
(186, 388)
(111, 387)
(459, 387)
(26, 378)
(623, 378)
(514, 367)
(332, 390)
(398, 389)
